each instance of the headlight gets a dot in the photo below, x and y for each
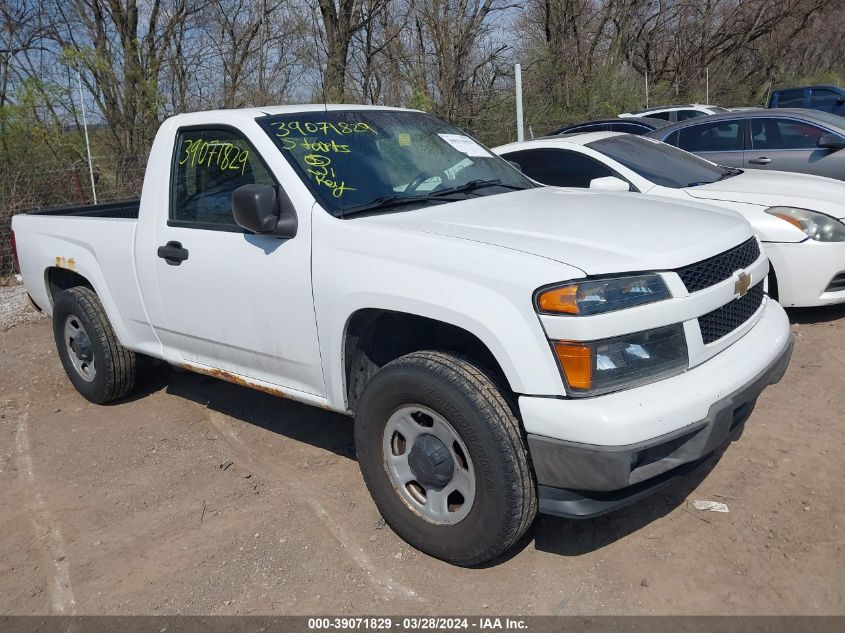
(817, 226)
(595, 367)
(602, 295)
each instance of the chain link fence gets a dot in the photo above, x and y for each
(49, 185)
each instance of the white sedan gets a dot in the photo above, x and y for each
(800, 219)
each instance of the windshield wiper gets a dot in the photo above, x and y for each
(387, 202)
(474, 185)
(729, 171)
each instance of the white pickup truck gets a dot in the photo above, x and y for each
(503, 347)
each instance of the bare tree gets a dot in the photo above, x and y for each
(341, 20)
(123, 54)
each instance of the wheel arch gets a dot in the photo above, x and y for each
(374, 337)
(59, 278)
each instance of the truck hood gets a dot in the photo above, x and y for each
(777, 188)
(598, 232)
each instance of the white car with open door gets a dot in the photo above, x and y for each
(800, 219)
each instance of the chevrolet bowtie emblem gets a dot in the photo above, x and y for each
(742, 284)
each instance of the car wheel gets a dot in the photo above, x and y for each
(100, 368)
(444, 458)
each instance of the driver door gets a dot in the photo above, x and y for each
(232, 300)
(790, 145)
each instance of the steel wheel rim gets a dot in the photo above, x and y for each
(441, 504)
(79, 348)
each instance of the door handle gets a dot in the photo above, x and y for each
(760, 161)
(173, 253)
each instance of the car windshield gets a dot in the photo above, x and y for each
(660, 163)
(369, 160)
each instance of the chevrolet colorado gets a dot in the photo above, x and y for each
(504, 348)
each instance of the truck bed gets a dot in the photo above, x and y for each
(122, 209)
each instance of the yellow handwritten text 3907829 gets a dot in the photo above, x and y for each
(210, 153)
(302, 128)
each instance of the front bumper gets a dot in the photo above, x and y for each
(584, 479)
(806, 272)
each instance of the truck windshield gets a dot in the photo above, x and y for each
(358, 161)
(660, 163)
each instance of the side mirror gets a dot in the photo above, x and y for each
(831, 141)
(840, 100)
(609, 183)
(263, 210)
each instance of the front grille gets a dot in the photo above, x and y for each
(711, 271)
(722, 321)
(836, 284)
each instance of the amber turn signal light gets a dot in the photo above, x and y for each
(559, 300)
(577, 363)
(792, 220)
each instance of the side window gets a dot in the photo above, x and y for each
(672, 139)
(209, 165)
(824, 99)
(790, 99)
(559, 167)
(723, 136)
(659, 115)
(783, 134)
(683, 115)
(630, 128)
(590, 127)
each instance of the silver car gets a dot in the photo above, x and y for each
(805, 141)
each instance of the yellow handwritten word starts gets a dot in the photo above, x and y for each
(320, 168)
(324, 146)
(220, 154)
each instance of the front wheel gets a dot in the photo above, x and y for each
(97, 364)
(444, 459)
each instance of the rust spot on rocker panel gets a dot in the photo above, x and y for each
(233, 378)
(239, 380)
(68, 263)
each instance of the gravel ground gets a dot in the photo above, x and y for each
(195, 496)
(15, 307)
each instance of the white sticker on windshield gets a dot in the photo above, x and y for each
(464, 144)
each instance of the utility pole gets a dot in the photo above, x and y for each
(87, 142)
(520, 131)
(262, 59)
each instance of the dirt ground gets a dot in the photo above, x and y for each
(200, 497)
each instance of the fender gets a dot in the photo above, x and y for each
(67, 246)
(483, 289)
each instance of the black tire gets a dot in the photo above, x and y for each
(505, 502)
(114, 365)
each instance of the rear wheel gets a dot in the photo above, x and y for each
(444, 458)
(100, 368)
